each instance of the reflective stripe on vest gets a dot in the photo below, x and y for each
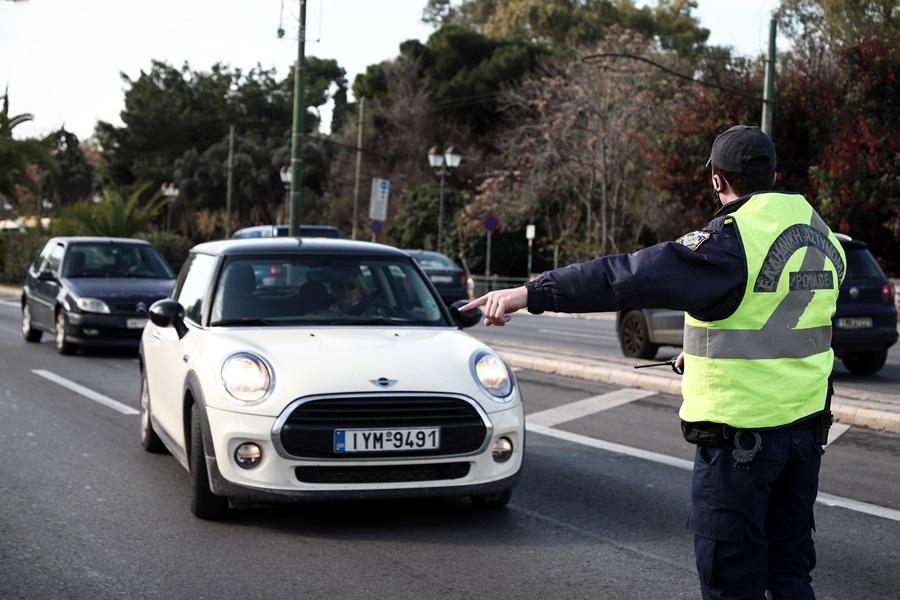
(747, 366)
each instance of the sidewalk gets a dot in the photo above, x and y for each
(850, 406)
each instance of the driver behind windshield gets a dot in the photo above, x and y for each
(348, 290)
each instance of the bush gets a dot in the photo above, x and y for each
(17, 252)
(173, 247)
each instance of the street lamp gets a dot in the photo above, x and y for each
(285, 175)
(442, 161)
(171, 192)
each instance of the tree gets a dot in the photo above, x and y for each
(858, 177)
(113, 216)
(576, 155)
(75, 179)
(18, 156)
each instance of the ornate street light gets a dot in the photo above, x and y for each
(442, 161)
(171, 192)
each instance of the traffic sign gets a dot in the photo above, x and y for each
(491, 223)
(376, 226)
(379, 199)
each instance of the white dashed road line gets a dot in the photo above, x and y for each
(86, 392)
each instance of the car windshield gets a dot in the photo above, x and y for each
(323, 290)
(433, 260)
(105, 259)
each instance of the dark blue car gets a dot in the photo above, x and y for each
(90, 291)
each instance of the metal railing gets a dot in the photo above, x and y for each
(480, 284)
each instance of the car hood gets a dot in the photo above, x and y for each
(337, 360)
(119, 290)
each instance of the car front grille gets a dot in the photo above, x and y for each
(308, 430)
(382, 473)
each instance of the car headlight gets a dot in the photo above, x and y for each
(94, 305)
(247, 378)
(493, 375)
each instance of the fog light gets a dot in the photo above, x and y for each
(91, 332)
(248, 455)
(502, 450)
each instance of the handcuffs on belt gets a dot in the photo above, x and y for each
(743, 456)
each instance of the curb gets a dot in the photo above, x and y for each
(846, 409)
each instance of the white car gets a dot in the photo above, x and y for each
(285, 369)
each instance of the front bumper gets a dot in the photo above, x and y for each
(90, 329)
(278, 478)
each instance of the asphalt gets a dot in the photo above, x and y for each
(850, 406)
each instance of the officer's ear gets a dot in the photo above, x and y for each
(717, 183)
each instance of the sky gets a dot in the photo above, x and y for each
(61, 60)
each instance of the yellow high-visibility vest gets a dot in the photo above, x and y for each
(767, 364)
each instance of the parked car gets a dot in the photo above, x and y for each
(864, 326)
(276, 389)
(263, 231)
(88, 291)
(448, 277)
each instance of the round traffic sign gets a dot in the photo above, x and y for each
(491, 223)
(376, 226)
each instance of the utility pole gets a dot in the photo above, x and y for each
(769, 87)
(229, 194)
(359, 158)
(297, 137)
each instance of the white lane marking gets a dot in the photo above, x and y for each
(11, 303)
(86, 392)
(688, 465)
(837, 430)
(610, 446)
(588, 406)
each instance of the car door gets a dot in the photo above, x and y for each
(165, 354)
(44, 284)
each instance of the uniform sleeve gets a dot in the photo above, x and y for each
(703, 273)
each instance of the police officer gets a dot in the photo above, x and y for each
(759, 286)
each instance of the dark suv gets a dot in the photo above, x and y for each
(863, 328)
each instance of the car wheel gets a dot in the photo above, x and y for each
(204, 504)
(28, 331)
(495, 500)
(63, 346)
(634, 337)
(149, 440)
(866, 363)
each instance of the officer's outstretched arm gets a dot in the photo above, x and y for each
(499, 304)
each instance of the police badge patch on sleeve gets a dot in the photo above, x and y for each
(693, 239)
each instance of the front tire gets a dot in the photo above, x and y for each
(149, 440)
(866, 363)
(204, 504)
(634, 337)
(63, 346)
(28, 330)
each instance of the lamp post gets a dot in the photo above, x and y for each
(285, 175)
(171, 192)
(442, 161)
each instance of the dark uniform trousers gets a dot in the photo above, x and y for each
(753, 527)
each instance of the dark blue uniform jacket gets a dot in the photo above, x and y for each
(706, 279)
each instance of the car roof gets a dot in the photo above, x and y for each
(300, 245)
(92, 239)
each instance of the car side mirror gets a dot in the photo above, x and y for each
(168, 313)
(465, 318)
(46, 276)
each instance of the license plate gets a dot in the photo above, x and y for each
(855, 323)
(386, 440)
(442, 278)
(135, 323)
